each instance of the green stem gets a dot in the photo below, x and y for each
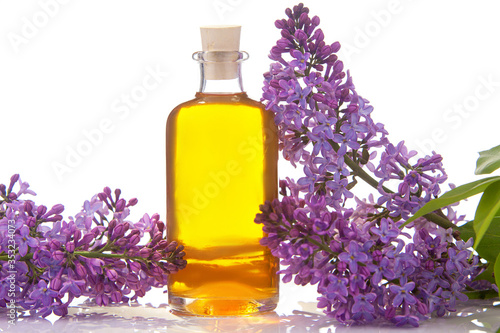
(28, 256)
(440, 221)
(322, 246)
(87, 254)
(358, 171)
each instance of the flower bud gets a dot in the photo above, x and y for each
(338, 67)
(120, 205)
(135, 266)
(56, 209)
(107, 191)
(111, 274)
(145, 252)
(87, 238)
(335, 47)
(55, 284)
(301, 36)
(122, 242)
(162, 244)
(80, 270)
(294, 233)
(58, 255)
(315, 20)
(134, 239)
(161, 226)
(102, 196)
(283, 43)
(156, 256)
(13, 180)
(111, 226)
(70, 247)
(120, 264)
(40, 211)
(280, 24)
(116, 296)
(422, 308)
(31, 221)
(118, 231)
(54, 244)
(304, 19)
(28, 206)
(286, 34)
(171, 247)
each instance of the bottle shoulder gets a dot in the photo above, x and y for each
(237, 98)
(231, 110)
(206, 101)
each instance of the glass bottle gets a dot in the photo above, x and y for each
(222, 153)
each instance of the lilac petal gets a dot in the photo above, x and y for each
(75, 290)
(23, 249)
(397, 300)
(32, 241)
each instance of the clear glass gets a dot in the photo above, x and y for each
(222, 154)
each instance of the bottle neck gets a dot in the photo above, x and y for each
(220, 71)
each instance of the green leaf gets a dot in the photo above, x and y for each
(458, 193)
(467, 231)
(487, 274)
(481, 294)
(497, 272)
(488, 161)
(487, 209)
(488, 249)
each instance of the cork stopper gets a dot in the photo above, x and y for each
(220, 38)
(218, 41)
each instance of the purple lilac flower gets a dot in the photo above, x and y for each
(327, 127)
(72, 286)
(300, 60)
(43, 293)
(454, 294)
(406, 319)
(337, 287)
(403, 293)
(364, 303)
(457, 260)
(353, 256)
(73, 254)
(23, 240)
(382, 270)
(385, 232)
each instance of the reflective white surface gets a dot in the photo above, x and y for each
(296, 313)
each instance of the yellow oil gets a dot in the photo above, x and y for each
(222, 154)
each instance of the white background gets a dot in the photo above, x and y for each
(66, 65)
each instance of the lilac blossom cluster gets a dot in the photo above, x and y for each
(98, 253)
(365, 266)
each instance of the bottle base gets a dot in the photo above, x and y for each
(220, 307)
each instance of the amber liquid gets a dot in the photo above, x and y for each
(222, 154)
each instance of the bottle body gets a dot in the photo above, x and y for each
(222, 154)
